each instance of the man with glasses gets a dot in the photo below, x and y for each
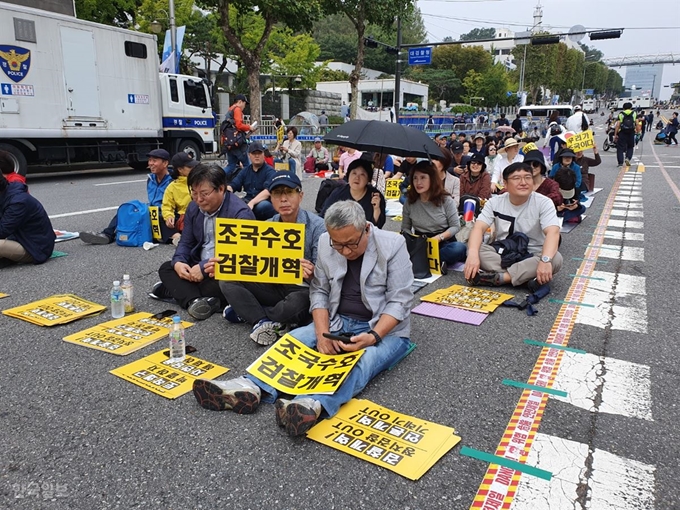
(254, 180)
(272, 308)
(187, 277)
(361, 287)
(519, 210)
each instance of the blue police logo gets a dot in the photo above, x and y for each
(15, 62)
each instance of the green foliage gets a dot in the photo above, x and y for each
(461, 59)
(592, 54)
(119, 13)
(332, 75)
(293, 55)
(443, 83)
(479, 33)
(472, 83)
(494, 86)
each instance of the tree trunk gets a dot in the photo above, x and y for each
(355, 75)
(253, 68)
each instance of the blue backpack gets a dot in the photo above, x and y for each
(134, 224)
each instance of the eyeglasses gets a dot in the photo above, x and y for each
(492, 149)
(283, 190)
(350, 246)
(202, 195)
(520, 178)
(476, 163)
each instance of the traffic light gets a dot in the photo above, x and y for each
(369, 42)
(605, 34)
(546, 39)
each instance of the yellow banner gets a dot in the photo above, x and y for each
(293, 368)
(54, 310)
(392, 191)
(155, 214)
(259, 251)
(3, 295)
(281, 165)
(407, 445)
(280, 133)
(581, 141)
(168, 379)
(126, 335)
(470, 298)
(433, 256)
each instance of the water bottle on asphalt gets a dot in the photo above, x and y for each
(117, 301)
(128, 293)
(177, 342)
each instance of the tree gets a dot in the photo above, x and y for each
(332, 75)
(472, 84)
(592, 54)
(494, 86)
(293, 56)
(461, 59)
(479, 33)
(443, 83)
(119, 13)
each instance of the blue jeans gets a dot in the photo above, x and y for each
(264, 210)
(235, 156)
(374, 360)
(452, 252)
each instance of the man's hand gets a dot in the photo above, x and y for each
(544, 272)
(170, 222)
(307, 269)
(195, 274)
(251, 205)
(375, 200)
(471, 266)
(459, 170)
(209, 267)
(326, 345)
(183, 270)
(357, 342)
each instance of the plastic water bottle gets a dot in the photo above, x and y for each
(128, 293)
(117, 301)
(177, 343)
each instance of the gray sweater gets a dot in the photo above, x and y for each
(427, 218)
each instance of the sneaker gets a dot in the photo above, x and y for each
(297, 416)
(241, 395)
(203, 307)
(95, 238)
(229, 314)
(266, 332)
(627, 162)
(486, 278)
(160, 293)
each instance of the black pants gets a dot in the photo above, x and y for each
(625, 145)
(284, 303)
(185, 291)
(671, 137)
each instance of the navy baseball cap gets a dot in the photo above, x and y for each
(456, 147)
(255, 147)
(241, 97)
(285, 178)
(159, 153)
(183, 159)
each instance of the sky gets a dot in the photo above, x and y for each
(641, 23)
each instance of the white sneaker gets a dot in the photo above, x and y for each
(266, 332)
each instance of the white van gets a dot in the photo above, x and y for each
(538, 115)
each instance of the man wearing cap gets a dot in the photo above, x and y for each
(577, 121)
(459, 164)
(156, 183)
(320, 154)
(519, 210)
(237, 155)
(254, 179)
(508, 154)
(272, 308)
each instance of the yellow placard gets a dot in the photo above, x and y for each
(3, 295)
(280, 133)
(581, 141)
(470, 298)
(166, 378)
(433, 256)
(404, 444)
(281, 165)
(259, 251)
(293, 368)
(126, 335)
(392, 191)
(155, 214)
(531, 146)
(54, 310)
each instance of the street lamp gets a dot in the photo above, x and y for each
(156, 27)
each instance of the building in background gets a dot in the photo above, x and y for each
(643, 81)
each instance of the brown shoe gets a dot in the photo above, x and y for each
(297, 416)
(240, 395)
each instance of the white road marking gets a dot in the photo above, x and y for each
(615, 483)
(78, 213)
(626, 198)
(624, 253)
(626, 224)
(623, 212)
(627, 206)
(625, 387)
(628, 236)
(119, 182)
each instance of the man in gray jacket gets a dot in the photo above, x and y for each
(361, 287)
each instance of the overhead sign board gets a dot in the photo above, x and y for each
(419, 56)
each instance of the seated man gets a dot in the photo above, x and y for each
(320, 155)
(517, 210)
(361, 285)
(156, 183)
(269, 307)
(254, 180)
(26, 234)
(186, 277)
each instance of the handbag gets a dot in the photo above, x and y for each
(310, 165)
(417, 251)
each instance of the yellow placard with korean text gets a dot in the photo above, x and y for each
(155, 215)
(280, 134)
(433, 256)
(404, 444)
(259, 251)
(166, 378)
(126, 335)
(2, 295)
(392, 191)
(55, 310)
(581, 141)
(470, 298)
(293, 368)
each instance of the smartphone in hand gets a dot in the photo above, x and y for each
(341, 338)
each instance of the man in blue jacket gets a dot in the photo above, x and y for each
(26, 233)
(156, 183)
(254, 180)
(186, 277)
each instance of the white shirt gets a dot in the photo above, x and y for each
(501, 163)
(574, 122)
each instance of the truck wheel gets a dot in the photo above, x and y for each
(190, 147)
(20, 163)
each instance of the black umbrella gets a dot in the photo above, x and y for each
(385, 138)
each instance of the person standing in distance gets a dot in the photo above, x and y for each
(237, 154)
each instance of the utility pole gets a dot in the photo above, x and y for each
(397, 75)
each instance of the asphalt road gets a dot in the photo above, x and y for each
(69, 425)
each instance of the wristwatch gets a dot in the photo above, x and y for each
(545, 258)
(377, 337)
